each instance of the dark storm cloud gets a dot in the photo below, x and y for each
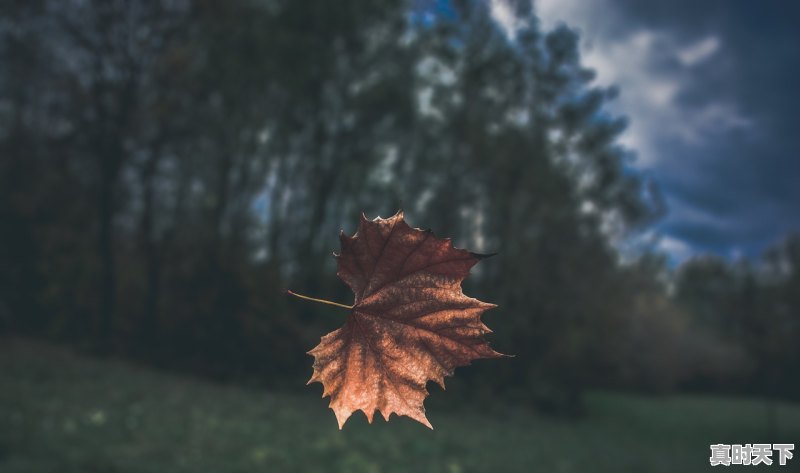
(712, 98)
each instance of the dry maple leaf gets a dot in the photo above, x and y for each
(410, 322)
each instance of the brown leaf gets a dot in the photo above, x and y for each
(410, 322)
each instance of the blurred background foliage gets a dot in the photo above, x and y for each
(169, 167)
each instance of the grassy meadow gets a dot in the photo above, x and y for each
(61, 412)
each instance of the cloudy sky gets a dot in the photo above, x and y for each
(711, 89)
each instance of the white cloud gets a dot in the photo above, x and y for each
(662, 77)
(655, 68)
(652, 69)
(678, 250)
(698, 52)
(502, 13)
(699, 217)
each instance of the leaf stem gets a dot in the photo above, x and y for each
(318, 300)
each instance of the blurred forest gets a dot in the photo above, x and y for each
(169, 167)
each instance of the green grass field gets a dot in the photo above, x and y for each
(60, 412)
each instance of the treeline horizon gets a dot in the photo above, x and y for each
(170, 168)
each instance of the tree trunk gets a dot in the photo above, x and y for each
(108, 283)
(149, 329)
